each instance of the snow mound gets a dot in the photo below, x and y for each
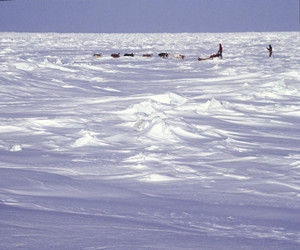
(88, 138)
(159, 128)
(153, 117)
(25, 66)
(212, 105)
(16, 148)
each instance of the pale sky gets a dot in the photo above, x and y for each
(130, 16)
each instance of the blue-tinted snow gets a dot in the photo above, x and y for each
(149, 153)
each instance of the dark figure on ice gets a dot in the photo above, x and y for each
(270, 49)
(220, 51)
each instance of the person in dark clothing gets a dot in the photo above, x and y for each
(220, 51)
(270, 49)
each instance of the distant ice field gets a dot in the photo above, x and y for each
(149, 153)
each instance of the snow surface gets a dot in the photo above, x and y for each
(149, 153)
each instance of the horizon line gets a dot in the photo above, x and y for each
(206, 32)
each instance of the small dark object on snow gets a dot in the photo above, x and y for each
(115, 55)
(97, 55)
(163, 55)
(131, 54)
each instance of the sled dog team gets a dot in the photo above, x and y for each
(179, 56)
(163, 55)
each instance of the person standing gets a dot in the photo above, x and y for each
(220, 51)
(270, 49)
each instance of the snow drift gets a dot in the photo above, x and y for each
(149, 153)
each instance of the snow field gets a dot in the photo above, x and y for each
(149, 153)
